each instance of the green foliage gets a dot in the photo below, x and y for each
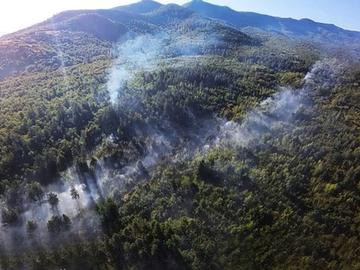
(109, 216)
(74, 193)
(58, 224)
(53, 199)
(43, 118)
(35, 191)
(289, 202)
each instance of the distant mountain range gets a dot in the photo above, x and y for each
(97, 21)
(304, 28)
(249, 21)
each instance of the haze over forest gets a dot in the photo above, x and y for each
(165, 136)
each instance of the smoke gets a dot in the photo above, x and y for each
(114, 179)
(146, 53)
(135, 54)
(281, 110)
(93, 182)
(325, 75)
(271, 114)
(161, 142)
(140, 53)
(17, 235)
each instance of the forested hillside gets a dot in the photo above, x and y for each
(152, 137)
(304, 29)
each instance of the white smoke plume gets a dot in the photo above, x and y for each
(40, 212)
(144, 53)
(140, 53)
(279, 111)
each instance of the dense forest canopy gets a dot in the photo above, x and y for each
(155, 136)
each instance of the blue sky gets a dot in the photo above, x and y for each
(17, 14)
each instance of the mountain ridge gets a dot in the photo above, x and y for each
(87, 29)
(100, 28)
(143, 6)
(159, 138)
(304, 28)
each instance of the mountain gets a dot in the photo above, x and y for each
(154, 136)
(72, 37)
(104, 27)
(304, 28)
(143, 6)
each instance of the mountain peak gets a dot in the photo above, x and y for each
(196, 2)
(199, 4)
(144, 6)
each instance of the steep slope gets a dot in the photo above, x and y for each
(74, 37)
(169, 15)
(304, 29)
(91, 32)
(159, 138)
(70, 40)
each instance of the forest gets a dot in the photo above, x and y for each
(184, 144)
